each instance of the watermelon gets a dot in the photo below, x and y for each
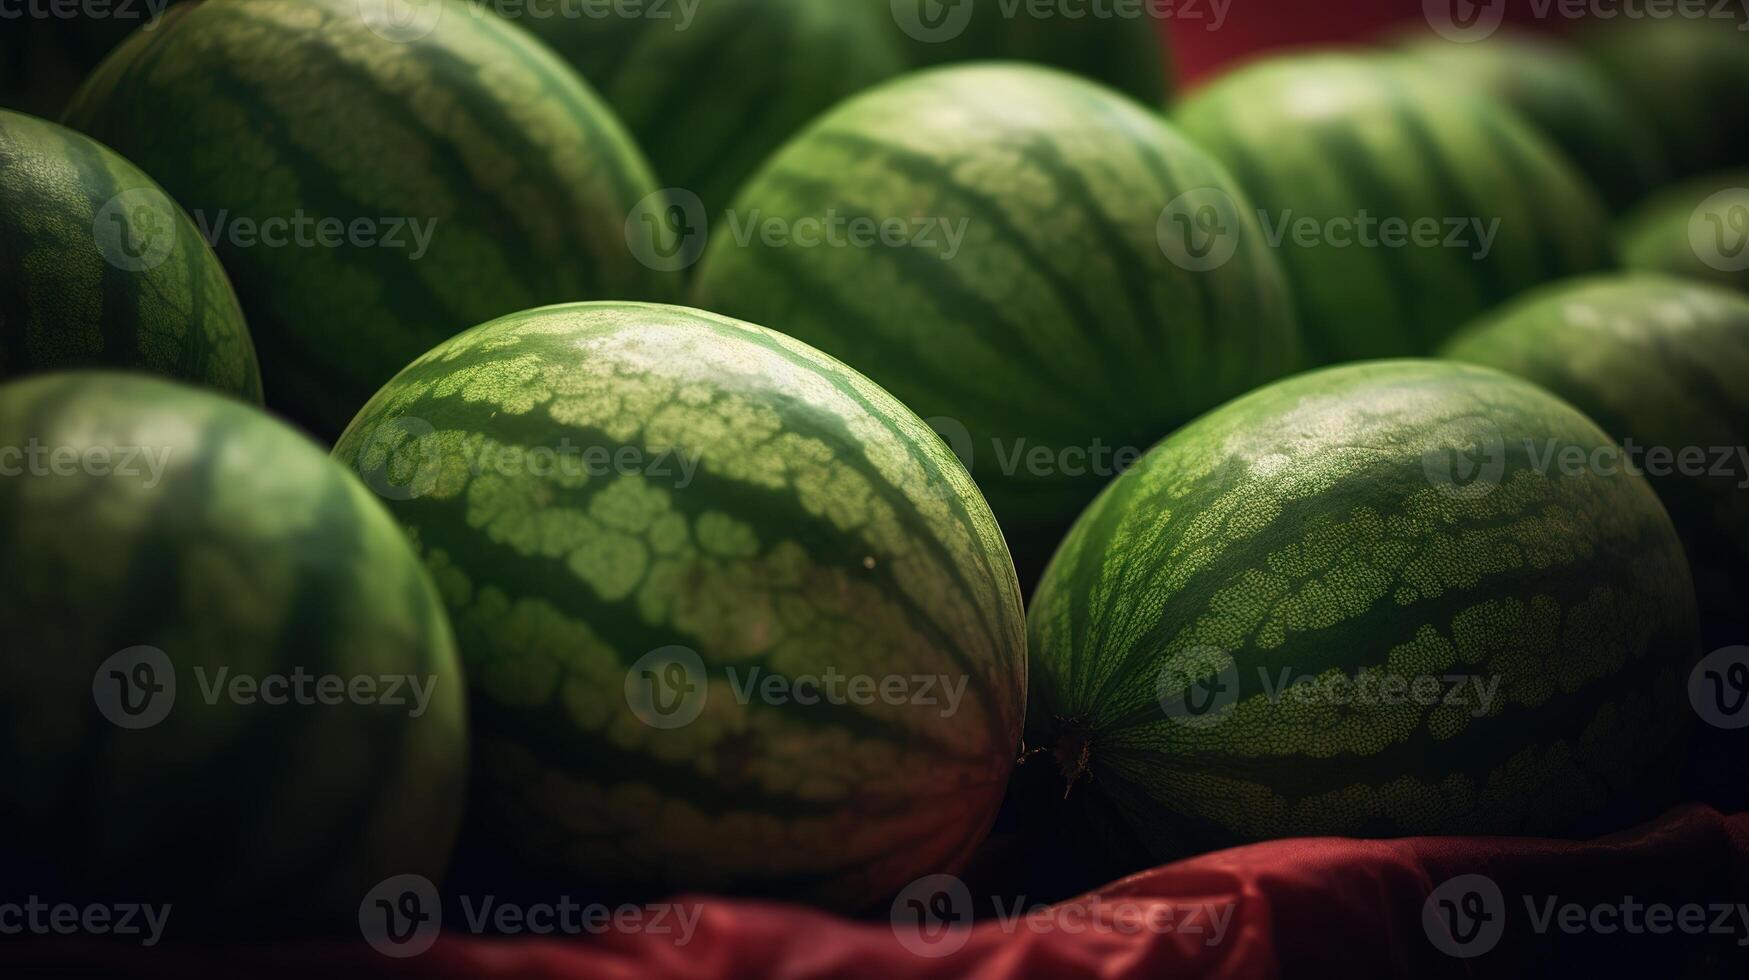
(418, 176)
(98, 267)
(228, 684)
(1402, 205)
(1689, 77)
(1698, 229)
(1356, 602)
(1036, 298)
(1658, 362)
(657, 531)
(1559, 91)
(1121, 45)
(709, 94)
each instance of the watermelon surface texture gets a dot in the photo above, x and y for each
(1567, 98)
(1060, 334)
(1698, 229)
(641, 517)
(1124, 49)
(98, 267)
(1689, 77)
(458, 168)
(1354, 603)
(709, 95)
(1656, 361)
(161, 546)
(1327, 145)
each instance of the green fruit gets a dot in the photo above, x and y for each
(1057, 324)
(1124, 49)
(375, 185)
(1688, 77)
(99, 268)
(634, 513)
(710, 95)
(1698, 229)
(1481, 207)
(1557, 90)
(136, 513)
(1302, 614)
(1658, 362)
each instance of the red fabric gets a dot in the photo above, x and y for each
(1313, 908)
(1209, 35)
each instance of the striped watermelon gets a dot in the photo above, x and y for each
(1698, 229)
(1689, 77)
(99, 267)
(1236, 640)
(709, 95)
(1061, 323)
(1330, 141)
(161, 545)
(639, 517)
(1559, 91)
(1659, 362)
(455, 126)
(1120, 45)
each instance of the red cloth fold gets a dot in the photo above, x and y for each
(1319, 907)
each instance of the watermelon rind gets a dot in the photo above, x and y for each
(633, 513)
(228, 685)
(100, 268)
(1203, 643)
(377, 177)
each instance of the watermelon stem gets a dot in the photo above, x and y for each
(1074, 751)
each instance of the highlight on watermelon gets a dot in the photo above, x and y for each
(854, 488)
